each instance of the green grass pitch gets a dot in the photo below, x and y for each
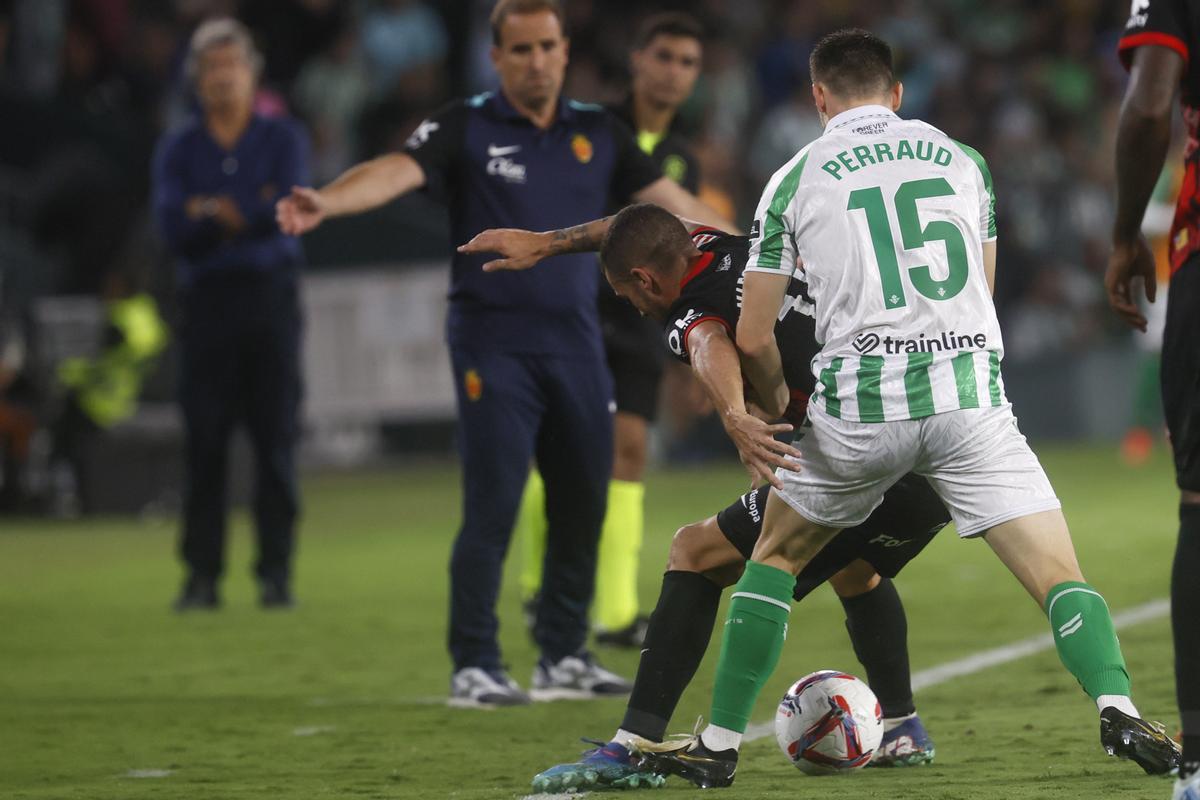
(343, 696)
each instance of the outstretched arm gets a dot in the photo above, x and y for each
(1143, 135)
(360, 188)
(715, 361)
(521, 249)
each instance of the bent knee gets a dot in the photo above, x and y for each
(686, 549)
(701, 547)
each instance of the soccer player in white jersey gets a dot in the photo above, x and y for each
(890, 222)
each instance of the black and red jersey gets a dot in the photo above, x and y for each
(1175, 24)
(711, 289)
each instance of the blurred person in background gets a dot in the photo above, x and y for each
(664, 66)
(103, 389)
(400, 37)
(1156, 48)
(331, 92)
(525, 349)
(215, 184)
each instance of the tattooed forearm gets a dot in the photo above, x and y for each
(580, 238)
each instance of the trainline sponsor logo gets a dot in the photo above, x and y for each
(946, 340)
(866, 342)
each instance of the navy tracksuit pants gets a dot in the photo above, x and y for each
(514, 408)
(240, 349)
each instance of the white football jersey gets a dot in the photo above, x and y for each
(884, 219)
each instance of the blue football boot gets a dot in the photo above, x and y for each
(906, 745)
(1187, 788)
(607, 766)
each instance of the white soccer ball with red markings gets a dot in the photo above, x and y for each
(829, 723)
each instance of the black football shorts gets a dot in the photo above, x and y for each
(908, 518)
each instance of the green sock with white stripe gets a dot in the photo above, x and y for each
(753, 639)
(1086, 640)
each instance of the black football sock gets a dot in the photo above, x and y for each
(676, 639)
(1185, 611)
(879, 632)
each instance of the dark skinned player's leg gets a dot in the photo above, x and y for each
(1181, 401)
(1185, 610)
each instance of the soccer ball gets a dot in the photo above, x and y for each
(829, 723)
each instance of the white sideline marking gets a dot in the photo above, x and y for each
(986, 659)
(314, 730)
(148, 773)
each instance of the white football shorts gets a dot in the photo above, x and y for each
(976, 459)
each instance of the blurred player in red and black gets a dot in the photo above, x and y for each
(664, 66)
(1161, 48)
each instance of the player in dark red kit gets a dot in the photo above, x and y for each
(1160, 47)
(698, 304)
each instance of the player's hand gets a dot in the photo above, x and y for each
(301, 211)
(221, 209)
(520, 249)
(1128, 262)
(760, 451)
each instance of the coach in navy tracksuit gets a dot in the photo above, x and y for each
(525, 347)
(216, 181)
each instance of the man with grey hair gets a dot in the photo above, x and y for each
(216, 180)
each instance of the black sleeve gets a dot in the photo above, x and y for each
(681, 319)
(1155, 22)
(633, 170)
(436, 145)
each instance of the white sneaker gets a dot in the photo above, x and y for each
(1187, 789)
(577, 677)
(473, 687)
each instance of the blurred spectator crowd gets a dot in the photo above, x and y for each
(86, 86)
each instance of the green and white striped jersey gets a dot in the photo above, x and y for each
(884, 220)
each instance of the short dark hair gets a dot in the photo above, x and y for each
(853, 63)
(670, 23)
(643, 235)
(504, 8)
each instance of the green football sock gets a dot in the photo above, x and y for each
(616, 603)
(1086, 640)
(753, 639)
(530, 530)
